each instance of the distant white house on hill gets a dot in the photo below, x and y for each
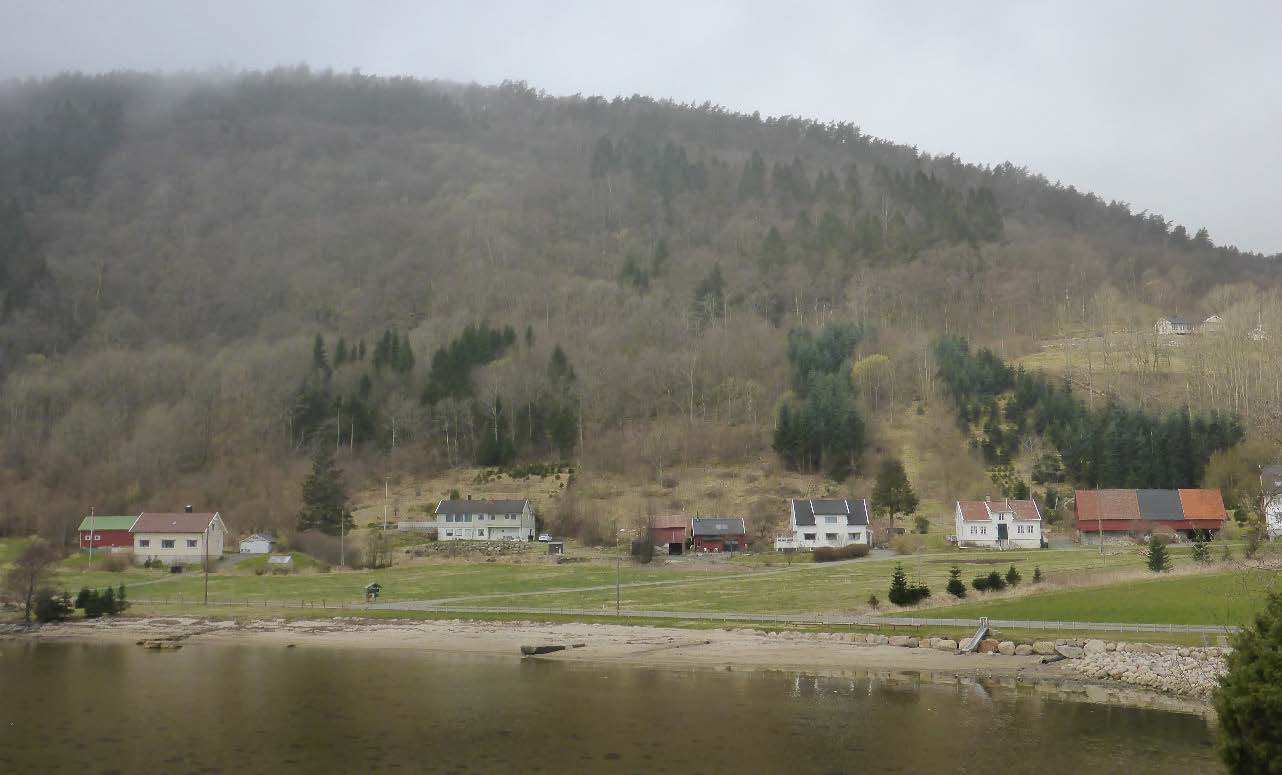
(1173, 325)
(825, 522)
(1271, 487)
(998, 524)
(484, 520)
(1212, 325)
(258, 543)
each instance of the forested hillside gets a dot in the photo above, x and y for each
(203, 276)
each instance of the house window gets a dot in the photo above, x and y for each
(808, 536)
(144, 542)
(166, 543)
(830, 520)
(853, 536)
(830, 536)
(449, 533)
(191, 543)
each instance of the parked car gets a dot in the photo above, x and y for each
(544, 538)
(951, 539)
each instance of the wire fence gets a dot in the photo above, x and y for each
(911, 623)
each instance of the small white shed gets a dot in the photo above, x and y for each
(258, 543)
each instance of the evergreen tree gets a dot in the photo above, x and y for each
(603, 158)
(1037, 574)
(340, 352)
(873, 602)
(360, 351)
(1248, 702)
(659, 261)
(529, 337)
(1201, 551)
(892, 494)
(899, 592)
(1013, 577)
(320, 360)
(1159, 560)
(122, 602)
(955, 587)
(324, 496)
(752, 183)
(709, 296)
(774, 251)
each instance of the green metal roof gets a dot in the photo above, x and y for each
(107, 523)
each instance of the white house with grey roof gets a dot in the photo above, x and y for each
(826, 522)
(484, 520)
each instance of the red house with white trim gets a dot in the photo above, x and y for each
(98, 532)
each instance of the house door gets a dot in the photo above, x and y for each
(1001, 533)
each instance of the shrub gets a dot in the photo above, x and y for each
(1012, 577)
(993, 582)
(922, 524)
(902, 593)
(873, 602)
(1037, 574)
(105, 603)
(956, 587)
(113, 563)
(847, 552)
(909, 543)
(52, 607)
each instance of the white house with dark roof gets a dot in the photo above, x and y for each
(826, 522)
(1173, 324)
(998, 524)
(484, 520)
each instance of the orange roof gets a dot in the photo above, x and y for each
(1107, 504)
(973, 511)
(668, 521)
(1202, 504)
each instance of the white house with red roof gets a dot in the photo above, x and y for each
(998, 524)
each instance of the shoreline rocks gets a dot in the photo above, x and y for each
(1192, 672)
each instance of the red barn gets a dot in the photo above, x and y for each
(1118, 512)
(670, 531)
(98, 532)
(719, 534)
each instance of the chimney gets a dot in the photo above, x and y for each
(988, 499)
(188, 509)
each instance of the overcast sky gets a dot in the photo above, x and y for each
(1172, 107)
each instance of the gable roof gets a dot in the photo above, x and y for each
(983, 511)
(1095, 505)
(1159, 504)
(481, 507)
(181, 522)
(855, 510)
(670, 521)
(98, 522)
(718, 526)
(1202, 504)
(1176, 320)
(259, 537)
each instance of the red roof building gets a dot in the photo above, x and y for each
(1114, 512)
(671, 531)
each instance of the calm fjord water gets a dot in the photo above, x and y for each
(94, 708)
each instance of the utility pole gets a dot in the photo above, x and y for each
(206, 562)
(342, 538)
(385, 498)
(93, 521)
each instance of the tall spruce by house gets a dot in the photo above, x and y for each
(893, 494)
(324, 494)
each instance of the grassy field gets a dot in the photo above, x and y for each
(1217, 599)
(836, 587)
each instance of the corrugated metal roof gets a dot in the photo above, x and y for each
(719, 526)
(173, 523)
(1159, 504)
(100, 522)
(480, 507)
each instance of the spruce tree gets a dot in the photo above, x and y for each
(1037, 574)
(899, 593)
(324, 496)
(774, 251)
(1159, 560)
(320, 361)
(1013, 577)
(1248, 702)
(893, 494)
(956, 587)
(1201, 551)
(340, 352)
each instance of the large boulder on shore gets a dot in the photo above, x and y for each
(1023, 650)
(1069, 651)
(1095, 647)
(1044, 647)
(946, 644)
(1006, 648)
(988, 646)
(899, 640)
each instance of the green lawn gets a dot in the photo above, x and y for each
(828, 588)
(1216, 599)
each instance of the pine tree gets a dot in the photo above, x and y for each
(1247, 702)
(956, 587)
(324, 496)
(899, 593)
(320, 361)
(1201, 551)
(893, 494)
(122, 603)
(774, 251)
(1013, 577)
(1159, 560)
(752, 184)
(340, 352)
(1037, 574)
